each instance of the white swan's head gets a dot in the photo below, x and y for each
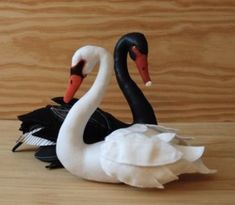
(83, 62)
(89, 56)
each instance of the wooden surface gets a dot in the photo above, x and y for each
(191, 59)
(24, 180)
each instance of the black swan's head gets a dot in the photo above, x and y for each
(136, 43)
(137, 47)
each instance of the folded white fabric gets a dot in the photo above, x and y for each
(149, 156)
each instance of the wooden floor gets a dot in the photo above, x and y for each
(24, 180)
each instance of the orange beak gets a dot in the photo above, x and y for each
(74, 83)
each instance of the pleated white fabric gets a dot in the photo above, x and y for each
(149, 156)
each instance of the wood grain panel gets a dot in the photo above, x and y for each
(191, 58)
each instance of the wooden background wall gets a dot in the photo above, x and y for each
(191, 59)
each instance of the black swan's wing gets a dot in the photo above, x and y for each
(40, 127)
(43, 123)
(98, 127)
(33, 126)
(48, 154)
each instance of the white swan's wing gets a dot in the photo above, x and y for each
(190, 153)
(149, 159)
(140, 128)
(166, 137)
(187, 167)
(144, 177)
(201, 167)
(152, 176)
(138, 150)
(160, 128)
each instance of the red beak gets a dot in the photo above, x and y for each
(141, 62)
(142, 65)
(73, 85)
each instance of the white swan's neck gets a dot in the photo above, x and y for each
(70, 146)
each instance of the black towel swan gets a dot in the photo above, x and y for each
(41, 126)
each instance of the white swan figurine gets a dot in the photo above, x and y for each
(141, 155)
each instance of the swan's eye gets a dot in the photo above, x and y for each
(71, 82)
(134, 49)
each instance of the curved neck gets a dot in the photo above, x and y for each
(70, 145)
(142, 111)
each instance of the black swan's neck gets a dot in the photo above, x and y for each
(141, 109)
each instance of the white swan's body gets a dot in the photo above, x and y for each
(140, 155)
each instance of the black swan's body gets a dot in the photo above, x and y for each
(45, 122)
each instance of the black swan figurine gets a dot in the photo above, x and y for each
(41, 127)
